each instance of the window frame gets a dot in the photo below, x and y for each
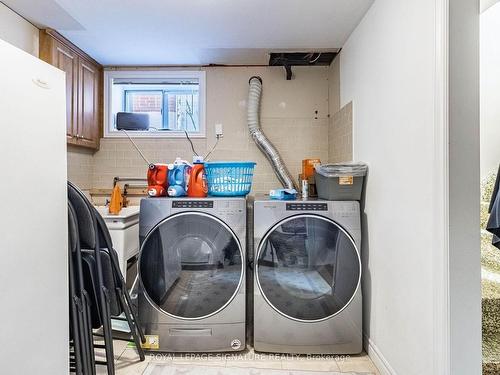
(111, 75)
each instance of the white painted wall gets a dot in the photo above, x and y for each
(388, 70)
(490, 90)
(17, 31)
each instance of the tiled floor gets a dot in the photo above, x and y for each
(127, 361)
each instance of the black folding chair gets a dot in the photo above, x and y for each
(81, 360)
(76, 357)
(102, 278)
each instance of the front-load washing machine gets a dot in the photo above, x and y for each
(307, 272)
(191, 273)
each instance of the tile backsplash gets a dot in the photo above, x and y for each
(294, 116)
(80, 167)
(340, 135)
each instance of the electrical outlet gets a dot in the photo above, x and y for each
(219, 133)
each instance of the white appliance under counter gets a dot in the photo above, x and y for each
(124, 231)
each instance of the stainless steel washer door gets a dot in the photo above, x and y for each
(191, 265)
(308, 268)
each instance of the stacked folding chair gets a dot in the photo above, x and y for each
(98, 292)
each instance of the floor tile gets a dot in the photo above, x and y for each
(130, 364)
(131, 354)
(160, 357)
(310, 364)
(359, 364)
(101, 370)
(153, 369)
(131, 368)
(185, 370)
(247, 362)
(119, 347)
(360, 356)
(255, 364)
(201, 361)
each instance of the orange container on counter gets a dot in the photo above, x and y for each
(198, 187)
(308, 167)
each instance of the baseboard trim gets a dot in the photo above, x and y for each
(377, 357)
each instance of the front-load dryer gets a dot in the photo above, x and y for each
(191, 273)
(307, 272)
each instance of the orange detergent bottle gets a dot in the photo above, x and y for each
(198, 187)
(157, 180)
(116, 202)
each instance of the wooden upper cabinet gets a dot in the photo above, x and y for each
(66, 60)
(83, 88)
(88, 104)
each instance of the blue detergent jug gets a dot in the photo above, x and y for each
(176, 191)
(178, 178)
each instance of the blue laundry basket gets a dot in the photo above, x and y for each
(229, 179)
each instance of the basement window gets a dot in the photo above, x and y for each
(152, 104)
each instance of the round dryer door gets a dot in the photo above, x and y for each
(308, 268)
(191, 265)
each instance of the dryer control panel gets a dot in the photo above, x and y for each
(192, 204)
(306, 206)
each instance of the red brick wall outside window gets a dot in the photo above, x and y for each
(146, 103)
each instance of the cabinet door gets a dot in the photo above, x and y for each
(66, 60)
(88, 104)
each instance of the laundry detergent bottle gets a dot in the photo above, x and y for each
(157, 180)
(176, 191)
(197, 187)
(178, 178)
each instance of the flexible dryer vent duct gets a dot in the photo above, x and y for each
(264, 144)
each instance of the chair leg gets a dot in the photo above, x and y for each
(123, 292)
(75, 309)
(132, 325)
(83, 339)
(88, 340)
(138, 327)
(108, 337)
(78, 350)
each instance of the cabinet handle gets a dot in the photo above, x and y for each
(41, 83)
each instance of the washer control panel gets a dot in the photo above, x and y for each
(310, 206)
(192, 204)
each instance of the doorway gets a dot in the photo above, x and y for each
(490, 159)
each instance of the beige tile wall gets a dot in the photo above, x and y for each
(340, 135)
(340, 121)
(334, 86)
(80, 167)
(288, 117)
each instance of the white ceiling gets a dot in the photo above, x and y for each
(486, 4)
(194, 32)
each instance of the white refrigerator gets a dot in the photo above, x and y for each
(33, 216)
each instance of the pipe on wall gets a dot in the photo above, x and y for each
(264, 144)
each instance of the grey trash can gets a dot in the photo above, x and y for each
(340, 181)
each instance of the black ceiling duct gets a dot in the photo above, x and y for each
(289, 59)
